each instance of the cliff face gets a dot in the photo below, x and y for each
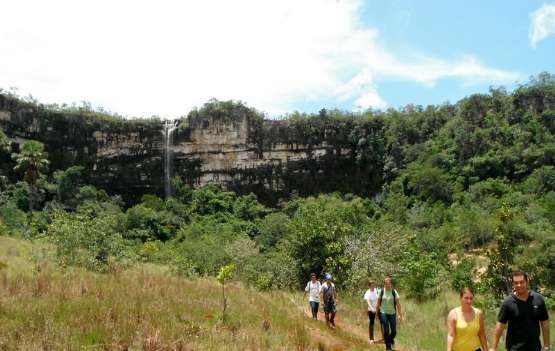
(234, 147)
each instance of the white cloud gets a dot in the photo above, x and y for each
(543, 23)
(164, 57)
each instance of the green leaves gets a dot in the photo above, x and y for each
(4, 142)
(226, 273)
(31, 161)
(86, 241)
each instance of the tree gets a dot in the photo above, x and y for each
(32, 160)
(226, 273)
(4, 142)
(501, 258)
(68, 183)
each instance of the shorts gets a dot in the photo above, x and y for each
(329, 307)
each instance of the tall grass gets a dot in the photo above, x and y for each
(45, 307)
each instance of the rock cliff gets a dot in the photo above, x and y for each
(223, 142)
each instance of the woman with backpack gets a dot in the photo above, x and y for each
(388, 307)
(313, 289)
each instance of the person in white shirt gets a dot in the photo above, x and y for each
(371, 298)
(313, 290)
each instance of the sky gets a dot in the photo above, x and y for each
(143, 58)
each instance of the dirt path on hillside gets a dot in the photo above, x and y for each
(331, 339)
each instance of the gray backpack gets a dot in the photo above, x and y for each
(328, 290)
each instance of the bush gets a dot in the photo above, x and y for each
(542, 180)
(67, 185)
(85, 241)
(204, 245)
(184, 267)
(377, 252)
(272, 229)
(463, 273)
(539, 261)
(317, 231)
(423, 276)
(14, 220)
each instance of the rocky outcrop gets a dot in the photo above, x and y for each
(228, 144)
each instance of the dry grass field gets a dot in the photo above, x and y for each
(147, 307)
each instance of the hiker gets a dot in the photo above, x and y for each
(466, 325)
(387, 308)
(328, 296)
(524, 311)
(313, 289)
(371, 298)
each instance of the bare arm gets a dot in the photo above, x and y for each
(545, 332)
(482, 332)
(451, 330)
(499, 328)
(398, 303)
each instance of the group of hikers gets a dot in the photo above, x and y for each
(523, 312)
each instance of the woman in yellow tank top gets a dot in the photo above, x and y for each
(466, 326)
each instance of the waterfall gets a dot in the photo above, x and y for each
(169, 127)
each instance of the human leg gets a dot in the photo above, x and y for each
(385, 330)
(314, 309)
(333, 310)
(393, 329)
(371, 319)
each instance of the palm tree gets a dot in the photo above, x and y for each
(32, 160)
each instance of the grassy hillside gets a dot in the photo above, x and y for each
(44, 307)
(144, 308)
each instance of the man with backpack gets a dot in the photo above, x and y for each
(328, 295)
(388, 307)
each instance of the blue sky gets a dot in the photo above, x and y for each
(143, 58)
(495, 32)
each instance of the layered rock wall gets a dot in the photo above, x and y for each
(242, 153)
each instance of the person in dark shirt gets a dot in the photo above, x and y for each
(524, 311)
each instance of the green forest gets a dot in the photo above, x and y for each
(446, 196)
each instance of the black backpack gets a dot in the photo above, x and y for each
(395, 296)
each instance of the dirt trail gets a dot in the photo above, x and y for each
(334, 339)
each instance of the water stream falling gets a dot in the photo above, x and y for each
(169, 127)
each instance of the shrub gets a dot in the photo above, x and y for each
(272, 229)
(377, 252)
(423, 275)
(85, 241)
(317, 231)
(184, 266)
(13, 219)
(463, 273)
